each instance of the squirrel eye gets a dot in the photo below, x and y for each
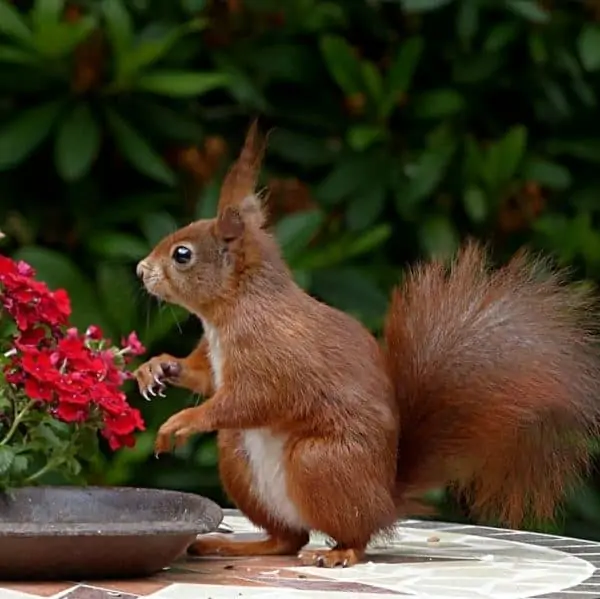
(182, 254)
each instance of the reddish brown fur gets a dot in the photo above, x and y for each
(499, 381)
(494, 377)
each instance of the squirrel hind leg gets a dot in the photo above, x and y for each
(288, 544)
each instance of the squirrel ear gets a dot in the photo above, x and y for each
(230, 224)
(239, 185)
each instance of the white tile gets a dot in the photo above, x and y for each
(6, 594)
(475, 566)
(199, 591)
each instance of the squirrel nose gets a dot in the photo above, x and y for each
(141, 268)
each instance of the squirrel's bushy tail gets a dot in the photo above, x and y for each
(498, 382)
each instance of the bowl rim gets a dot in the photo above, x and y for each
(140, 528)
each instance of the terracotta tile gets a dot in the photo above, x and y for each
(41, 589)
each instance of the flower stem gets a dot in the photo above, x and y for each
(18, 419)
(43, 470)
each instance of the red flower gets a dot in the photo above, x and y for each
(39, 365)
(38, 390)
(74, 377)
(68, 412)
(94, 332)
(31, 337)
(133, 344)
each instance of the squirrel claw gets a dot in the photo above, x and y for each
(153, 375)
(330, 558)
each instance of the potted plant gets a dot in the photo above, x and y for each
(60, 390)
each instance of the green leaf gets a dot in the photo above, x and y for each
(180, 84)
(127, 209)
(373, 84)
(351, 174)
(438, 237)
(169, 123)
(71, 467)
(193, 6)
(404, 65)
(351, 290)
(13, 25)
(500, 36)
(438, 103)
(425, 175)
(46, 13)
(529, 9)
(207, 455)
(110, 244)
(19, 466)
(88, 446)
(21, 136)
(162, 323)
(118, 25)
(360, 137)
(243, 87)
(504, 158)
(295, 231)
(157, 225)
(137, 151)
(58, 271)
(344, 66)
(423, 5)
(7, 457)
(366, 208)
(14, 55)
(149, 51)
(467, 21)
(301, 148)
(77, 143)
(50, 438)
(343, 249)
(118, 292)
(584, 149)
(548, 173)
(208, 201)
(475, 203)
(588, 45)
(59, 39)
(538, 48)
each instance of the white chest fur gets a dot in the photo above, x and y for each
(215, 353)
(265, 456)
(264, 451)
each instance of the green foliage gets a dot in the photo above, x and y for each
(399, 127)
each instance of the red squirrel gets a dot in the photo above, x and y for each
(487, 381)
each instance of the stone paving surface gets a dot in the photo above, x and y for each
(424, 560)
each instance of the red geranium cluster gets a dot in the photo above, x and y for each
(75, 377)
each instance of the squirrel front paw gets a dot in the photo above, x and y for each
(178, 428)
(153, 375)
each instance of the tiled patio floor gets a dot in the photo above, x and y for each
(425, 560)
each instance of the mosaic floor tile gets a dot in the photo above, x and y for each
(423, 560)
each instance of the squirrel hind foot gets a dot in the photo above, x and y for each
(226, 547)
(331, 558)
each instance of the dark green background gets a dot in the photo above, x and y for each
(398, 128)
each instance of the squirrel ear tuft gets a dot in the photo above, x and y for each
(239, 185)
